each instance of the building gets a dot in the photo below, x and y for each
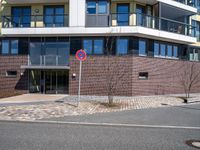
(152, 39)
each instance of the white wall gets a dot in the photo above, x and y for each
(77, 13)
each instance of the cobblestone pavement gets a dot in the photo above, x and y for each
(88, 105)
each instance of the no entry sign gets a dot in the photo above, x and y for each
(81, 55)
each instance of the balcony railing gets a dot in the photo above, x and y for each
(188, 2)
(48, 60)
(137, 19)
(35, 21)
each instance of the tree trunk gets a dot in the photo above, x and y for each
(110, 100)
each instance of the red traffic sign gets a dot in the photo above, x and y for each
(81, 55)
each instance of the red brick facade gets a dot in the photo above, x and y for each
(13, 85)
(163, 76)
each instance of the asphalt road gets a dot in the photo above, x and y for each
(187, 115)
(44, 136)
(65, 136)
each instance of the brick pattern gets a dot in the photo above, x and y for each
(164, 76)
(10, 86)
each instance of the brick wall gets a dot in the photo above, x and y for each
(164, 76)
(13, 85)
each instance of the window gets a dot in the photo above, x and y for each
(175, 51)
(162, 49)
(11, 73)
(14, 46)
(165, 50)
(97, 7)
(123, 14)
(54, 16)
(142, 48)
(196, 29)
(91, 7)
(122, 46)
(10, 47)
(102, 7)
(5, 46)
(194, 55)
(156, 49)
(93, 46)
(87, 45)
(143, 75)
(21, 16)
(98, 46)
(169, 50)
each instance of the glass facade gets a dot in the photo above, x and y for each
(56, 51)
(123, 14)
(122, 46)
(142, 48)
(21, 16)
(49, 53)
(54, 16)
(5, 46)
(93, 46)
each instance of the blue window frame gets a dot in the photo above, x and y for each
(169, 50)
(91, 7)
(122, 46)
(123, 14)
(21, 16)
(156, 49)
(14, 46)
(175, 51)
(140, 10)
(5, 47)
(54, 16)
(102, 7)
(93, 46)
(87, 46)
(162, 49)
(142, 48)
(98, 46)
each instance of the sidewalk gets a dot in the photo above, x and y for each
(30, 98)
(88, 105)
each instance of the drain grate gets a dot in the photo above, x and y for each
(193, 143)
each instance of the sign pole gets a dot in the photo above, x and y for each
(81, 56)
(79, 83)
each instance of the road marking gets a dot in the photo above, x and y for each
(106, 124)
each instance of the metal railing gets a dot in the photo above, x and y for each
(188, 2)
(164, 24)
(47, 60)
(35, 21)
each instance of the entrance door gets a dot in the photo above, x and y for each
(123, 14)
(50, 82)
(62, 82)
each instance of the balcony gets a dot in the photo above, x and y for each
(147, 21)
(187, 2)
(48, 55)
(36, 21)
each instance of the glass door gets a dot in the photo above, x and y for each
(140, 10)
(122, 14)
(62, 82)
(34, 81)
(50, 82)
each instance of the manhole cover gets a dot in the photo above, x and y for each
(193, 143)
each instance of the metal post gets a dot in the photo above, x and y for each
(79, 84)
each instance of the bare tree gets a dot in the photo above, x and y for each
(190, 77)
(115, 71)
